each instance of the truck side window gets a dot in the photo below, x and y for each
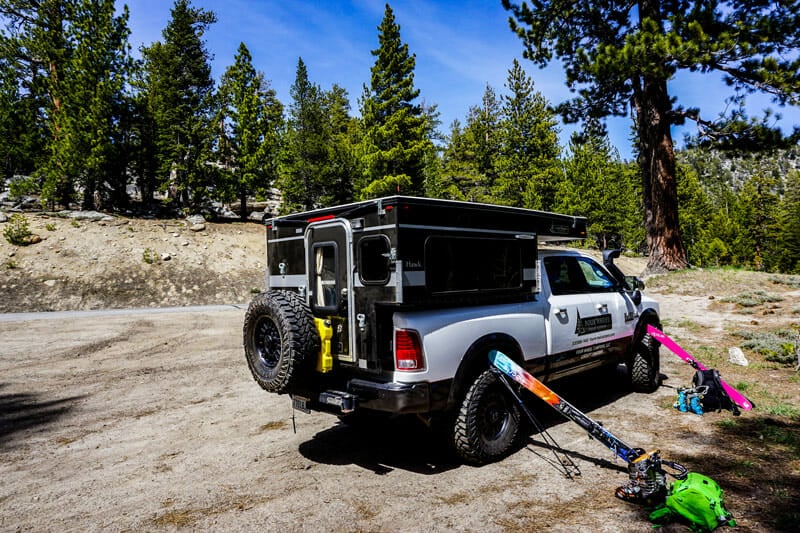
(596, 278)
(576, 275)
(325, 291)
(373, 260)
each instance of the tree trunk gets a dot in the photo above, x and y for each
(243, 204)
(657, 166)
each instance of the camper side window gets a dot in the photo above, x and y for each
(460, 264)
(325, 293)
(373, 260)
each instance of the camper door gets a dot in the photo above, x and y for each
(329, 246)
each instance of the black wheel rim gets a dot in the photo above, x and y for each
(268, 342)
(493, 420)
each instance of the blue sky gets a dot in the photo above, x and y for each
(460, 46)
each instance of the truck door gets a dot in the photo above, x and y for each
(613, 304)
(330, 278)
(579, 315)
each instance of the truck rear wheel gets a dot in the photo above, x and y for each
(645, 367)
(280, 339)
(488, 421)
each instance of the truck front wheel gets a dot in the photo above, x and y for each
(645, 367)
(280, 339)
(488, 421)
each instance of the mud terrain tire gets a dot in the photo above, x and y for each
(488, 422)
(281, 341)
(645, 368)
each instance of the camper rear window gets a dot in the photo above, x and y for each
(373, 260)
(457, 264)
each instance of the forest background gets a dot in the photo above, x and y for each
(84, 123)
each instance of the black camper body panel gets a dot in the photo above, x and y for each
(440, 251)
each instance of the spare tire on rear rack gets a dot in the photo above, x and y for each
(281, 341)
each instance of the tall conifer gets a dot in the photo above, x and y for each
(305, 154)
(528, 170)
(789, 227)
(180, 100)
(342, 159)
(251, 120)
(71, 60)
(397, 131)
(620, 56)
(96, 74)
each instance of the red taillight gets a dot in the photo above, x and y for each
(407, 350)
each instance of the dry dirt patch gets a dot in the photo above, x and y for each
(118, 263)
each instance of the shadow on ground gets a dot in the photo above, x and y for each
(382, 444)
(756, 461)
(20, 412)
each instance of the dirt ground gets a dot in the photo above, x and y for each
(124, 263)
(150, 421)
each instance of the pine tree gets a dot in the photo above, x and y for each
(759, 216)
(251, 120)
(789, 227)
(459, 174)
(23, 136)
(702, 222)
(469, 159)
(74, 52)
(396, 143)
(484, 123)
(37, 43)
(94, 101)
(599, 186)
(528, 170)
(342, 159)
(305, 155)
(180, 101)
(621, 55)
(142, 140)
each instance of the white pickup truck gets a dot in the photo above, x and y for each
(393, 305)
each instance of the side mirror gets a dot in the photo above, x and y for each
(634, 283)
(636, 297)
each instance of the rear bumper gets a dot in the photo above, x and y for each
(391, 397)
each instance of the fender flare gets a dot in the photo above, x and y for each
(475, 361)
(649, 316)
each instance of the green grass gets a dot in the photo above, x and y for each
(17, 230)
(742, 386)
(783, 409)
(149, 256)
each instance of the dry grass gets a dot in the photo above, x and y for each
(720, 283)
(756, 456)
(273, 426)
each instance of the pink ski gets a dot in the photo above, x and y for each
(736, 397)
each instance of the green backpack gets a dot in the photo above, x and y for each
(698, 499)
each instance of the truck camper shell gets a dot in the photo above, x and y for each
(405, 250)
